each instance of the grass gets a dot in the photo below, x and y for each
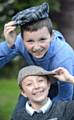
(9, 93)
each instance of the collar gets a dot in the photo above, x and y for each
(43, 109)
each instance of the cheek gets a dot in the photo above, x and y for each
(45, 84)
(28, 46)
(27, 91)
(46, 46)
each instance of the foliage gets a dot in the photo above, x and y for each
(8, 98)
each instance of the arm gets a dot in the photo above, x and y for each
(64, 58)
(65, 89)
(6, 53)
(10, 33)
(6, 50)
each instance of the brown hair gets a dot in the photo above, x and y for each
(37, 25)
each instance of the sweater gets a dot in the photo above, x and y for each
(58, 111)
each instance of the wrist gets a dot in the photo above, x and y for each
(71, 79)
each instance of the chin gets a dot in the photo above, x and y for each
(39, 56)
(41, 99)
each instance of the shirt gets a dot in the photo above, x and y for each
(44, 108)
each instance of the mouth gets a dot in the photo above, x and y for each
(38, 92)
(38, 53)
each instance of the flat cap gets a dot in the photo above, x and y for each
(31, 14)
(34, 70)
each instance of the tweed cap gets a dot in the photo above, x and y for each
(34, 70)
(31, 14)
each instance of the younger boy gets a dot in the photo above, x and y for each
(35, 83)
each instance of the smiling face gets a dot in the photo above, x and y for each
(36, 88)
(37, 42)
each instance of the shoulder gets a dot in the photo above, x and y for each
(70, 105)
(69, 109)
(60, 105)
(58, 34)
(21, 114)
(60, 45)
(58, 109)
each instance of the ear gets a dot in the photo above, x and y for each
(23, 93)
(49, 85)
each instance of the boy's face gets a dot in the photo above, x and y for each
(37, 42)
(36, 88)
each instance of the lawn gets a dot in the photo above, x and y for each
(9, 92)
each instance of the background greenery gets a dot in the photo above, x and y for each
(9, 93)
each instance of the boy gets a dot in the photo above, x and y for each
(35, 84)
(39, 44)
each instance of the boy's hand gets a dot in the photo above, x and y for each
(62, 74)
(10, 33)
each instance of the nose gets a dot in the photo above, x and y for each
(36, 85)
(36, 46)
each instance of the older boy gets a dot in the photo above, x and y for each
(39, 44)
(35, 83)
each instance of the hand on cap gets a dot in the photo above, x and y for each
(10, 33)
(62, 74)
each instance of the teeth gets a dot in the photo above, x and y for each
(38, 92)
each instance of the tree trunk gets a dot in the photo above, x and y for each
(66, 20)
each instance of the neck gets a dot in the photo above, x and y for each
(38, 105)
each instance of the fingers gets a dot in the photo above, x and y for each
(11, 23)
(9, 27)
(61, 74)
(10, 33)
(58, 71)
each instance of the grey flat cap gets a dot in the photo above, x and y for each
(31, 14)
(34, 70)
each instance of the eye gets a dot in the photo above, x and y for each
(30, 41)
(28, 84)
(42, 39)
(41, 80)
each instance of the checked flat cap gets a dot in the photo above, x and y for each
(31, 14)
(34, 70)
